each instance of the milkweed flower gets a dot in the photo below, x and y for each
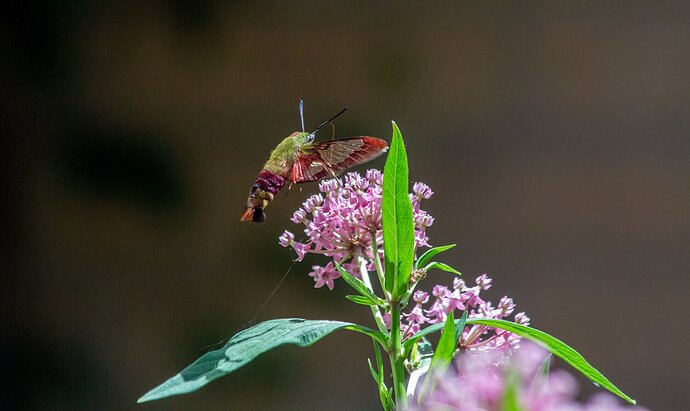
(343, 221)
(480, 380)
(324, 275)
(462, 298)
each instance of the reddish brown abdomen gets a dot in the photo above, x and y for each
(266, 185)
(270, 182)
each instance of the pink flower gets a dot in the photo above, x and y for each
(479, 380)
(439, 309)
(324, 275)
(461, 298)
(484, 282)
(416, 317)
(287, 239)
(344, 219)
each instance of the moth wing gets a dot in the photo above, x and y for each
(320, 160)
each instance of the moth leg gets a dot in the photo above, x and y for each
(292, 183)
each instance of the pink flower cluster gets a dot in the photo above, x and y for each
(464, 298)
(344, 218)
(479, 382)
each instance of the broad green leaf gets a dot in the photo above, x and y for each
(431, 253)
(243, 348)
(442, 267)
(558, 348)
(359, 286)
(398, 226)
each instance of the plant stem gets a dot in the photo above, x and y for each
(377, 262)
(396, 358)
(362, 262)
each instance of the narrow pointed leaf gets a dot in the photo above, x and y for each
(398, 226)
(442, 356)
(359, 286)
(384, 394)
(360, 299)
(558, 348)
(430, 330)
(446, 345)
(374, 374)
(431, 253)
(460, 326)
(442, 267)
(377, 335)
(379, 365)
(241, 349)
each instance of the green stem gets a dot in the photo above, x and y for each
(396, 358)
(365, 279)
(377, 263)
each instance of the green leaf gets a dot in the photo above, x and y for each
(425, 349)
(443, 354)
(384, 394)
(558, 348)
(374, 374)
(446, 346)
(420, 359)
(509, 400)
(377, 335)
(460, 326)
(398, 226)
(243, 348)
(442, 267)
(429, 330)
(431, 253)
(359, 286)
(360, 299)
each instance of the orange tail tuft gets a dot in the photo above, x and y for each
(248, 215)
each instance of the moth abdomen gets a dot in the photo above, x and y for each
(258, 215)
(261, 194)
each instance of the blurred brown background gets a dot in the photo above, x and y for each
(556, 138)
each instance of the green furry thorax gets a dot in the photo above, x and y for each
(283, 156)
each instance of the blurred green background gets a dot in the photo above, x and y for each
(556, 138)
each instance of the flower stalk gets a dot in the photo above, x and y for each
(375, 311)
(397, 360)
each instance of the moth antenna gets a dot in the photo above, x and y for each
(328, 121)
(301, 113)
